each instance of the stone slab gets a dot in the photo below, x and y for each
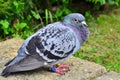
(109, 76)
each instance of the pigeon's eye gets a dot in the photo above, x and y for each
(76, 20)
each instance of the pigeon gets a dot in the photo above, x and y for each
(50, 45)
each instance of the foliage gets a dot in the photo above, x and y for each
(99, 3)
(12, 23)
(20, 18)
(102, 2)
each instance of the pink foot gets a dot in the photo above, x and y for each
(61, 69)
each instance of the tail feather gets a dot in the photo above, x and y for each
(23, 64)
(5, 72)
(9, 62)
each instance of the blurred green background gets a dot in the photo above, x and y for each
(21, 18)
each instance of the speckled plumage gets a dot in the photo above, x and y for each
(50, 45)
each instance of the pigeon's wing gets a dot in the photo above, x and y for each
(53, 43)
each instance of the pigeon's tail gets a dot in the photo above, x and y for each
(6, 72)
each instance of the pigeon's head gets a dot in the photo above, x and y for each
(76, 20)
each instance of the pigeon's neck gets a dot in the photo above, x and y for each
(82, 34)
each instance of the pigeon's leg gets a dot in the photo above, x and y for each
(60, 68)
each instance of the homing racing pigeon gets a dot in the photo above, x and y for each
(50, 45)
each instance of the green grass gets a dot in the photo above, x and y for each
(103, 45)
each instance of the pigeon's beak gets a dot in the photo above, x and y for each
(84, 23)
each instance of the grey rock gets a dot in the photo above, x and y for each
(80, 69)
(109, 76)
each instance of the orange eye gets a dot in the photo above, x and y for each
(76, 20)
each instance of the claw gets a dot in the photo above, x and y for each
(61, 69)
